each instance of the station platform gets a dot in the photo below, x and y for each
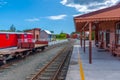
(104, 66)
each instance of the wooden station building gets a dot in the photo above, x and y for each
(106, 25)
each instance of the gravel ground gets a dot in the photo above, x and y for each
(28, 66)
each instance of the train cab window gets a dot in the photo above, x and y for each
(7, 36)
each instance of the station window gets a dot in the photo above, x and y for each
(7, 36)
(104, 36)
(100, 35)
(118, 33)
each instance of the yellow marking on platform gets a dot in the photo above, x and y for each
(81, 67)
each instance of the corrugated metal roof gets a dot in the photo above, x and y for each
(48, 32)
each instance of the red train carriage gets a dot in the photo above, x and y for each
(10, 39)
(25, 37)
(74, 36)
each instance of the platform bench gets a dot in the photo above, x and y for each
(116, 52)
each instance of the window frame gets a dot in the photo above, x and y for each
(7, 36)
(117, 33)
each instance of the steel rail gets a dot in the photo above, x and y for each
(43, 69)
(60, 67)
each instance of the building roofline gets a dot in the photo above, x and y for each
(99, 11)
(33, 29)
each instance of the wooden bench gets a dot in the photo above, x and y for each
(110, 47)
(116, 52)
(100, 44)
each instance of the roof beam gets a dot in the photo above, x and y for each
(84, 26)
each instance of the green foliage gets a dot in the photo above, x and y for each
(93, 35)
(52, 31)
(12, 29)
(61, 36)
(26, 30)
(75, 33)
(19, 31)
(4, 30)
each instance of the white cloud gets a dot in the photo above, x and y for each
(63, 2)
(92, 6)
(76, 15)
(58, 17)
(2, 2)
(32, 20)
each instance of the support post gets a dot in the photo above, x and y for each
(90, 43)
(96, 34)
(34, 33)
(84, 40)
(81, 39)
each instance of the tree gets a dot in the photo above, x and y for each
(12, 28)
(52, 31)
(19, 31)
(93, 35)
(75, 33)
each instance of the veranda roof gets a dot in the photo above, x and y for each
(107, 14)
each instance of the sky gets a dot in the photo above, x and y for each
(52, 15)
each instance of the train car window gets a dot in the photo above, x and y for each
(25, 35)
(18, 36)
(37, 36)
(7, 36)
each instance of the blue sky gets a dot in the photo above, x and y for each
(53, 15)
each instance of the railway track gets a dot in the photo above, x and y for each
(55, 69)
(14, 61)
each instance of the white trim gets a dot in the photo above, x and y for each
(14, 33)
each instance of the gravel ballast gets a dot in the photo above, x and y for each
(28, 66)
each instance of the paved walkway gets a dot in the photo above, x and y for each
(104, 66)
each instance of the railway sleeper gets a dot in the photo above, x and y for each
(52, 67)
(57, 61)
(62, 75)
(47, 74)
(50, 70)
(57, 64)
(61, 78)
(43, 78)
